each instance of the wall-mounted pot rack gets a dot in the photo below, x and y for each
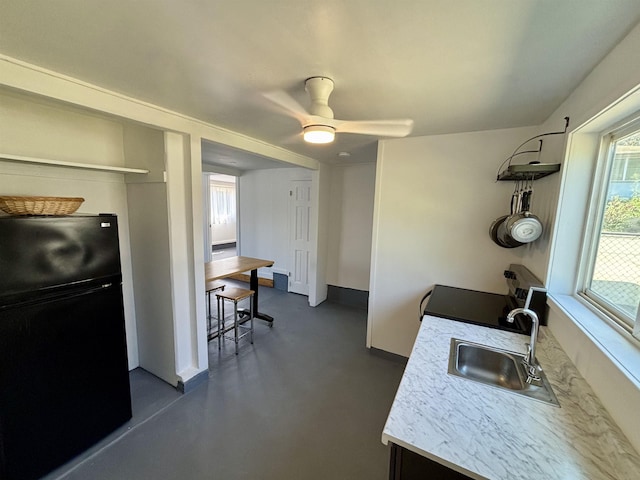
(533, 170)
(530, 171)
(521, 227)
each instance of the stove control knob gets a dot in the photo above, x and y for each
(509, 274)
(521, 293)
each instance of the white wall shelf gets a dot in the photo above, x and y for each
(62, 163)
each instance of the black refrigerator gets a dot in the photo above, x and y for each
(64, 381)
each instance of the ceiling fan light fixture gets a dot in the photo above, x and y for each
(319, 134)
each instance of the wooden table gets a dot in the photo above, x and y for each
(228, 267)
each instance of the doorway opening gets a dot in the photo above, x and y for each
(222, 216)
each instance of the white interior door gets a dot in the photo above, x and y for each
(299, 234)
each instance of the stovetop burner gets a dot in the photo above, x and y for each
(491, 309)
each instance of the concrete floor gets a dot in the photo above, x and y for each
(306, 401)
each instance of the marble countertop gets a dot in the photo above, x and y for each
(490, 433)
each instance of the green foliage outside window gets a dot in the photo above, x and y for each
(622, 215)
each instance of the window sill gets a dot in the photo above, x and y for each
(616, 344)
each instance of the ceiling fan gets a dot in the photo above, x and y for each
(317, 122)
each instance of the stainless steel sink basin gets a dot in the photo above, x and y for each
(497, 368)
(488, 366)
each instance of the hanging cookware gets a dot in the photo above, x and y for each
(523, 226)
(498, 231)
(504, 237)
(497, 234)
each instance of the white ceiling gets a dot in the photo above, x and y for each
(236, 161)
(451, 66)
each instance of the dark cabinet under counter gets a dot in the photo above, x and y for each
(407, 465)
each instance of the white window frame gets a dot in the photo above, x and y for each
(593, 227)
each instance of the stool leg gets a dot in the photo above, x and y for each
(223, 319)
(208, 313)
(235, 323)
(220, 323)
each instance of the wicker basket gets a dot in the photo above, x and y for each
(39, 205)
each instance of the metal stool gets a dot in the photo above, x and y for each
(211, 286)
(235, 295)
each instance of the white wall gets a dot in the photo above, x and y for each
(350, 225)
(604, 94)
(616, 75)
(264, 220)
(149, 251)
(435, 199)
(149, 230)
(38, 128)
(32, 127)
(223, 233)
(264, 215)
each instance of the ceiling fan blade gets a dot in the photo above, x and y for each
(379, 128)
(289, 105)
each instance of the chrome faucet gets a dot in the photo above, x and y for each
(529, 361)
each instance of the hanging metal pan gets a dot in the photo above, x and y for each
(523, 226)
(498, 234)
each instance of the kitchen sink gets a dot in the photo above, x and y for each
(497, 368)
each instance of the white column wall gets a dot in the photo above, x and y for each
(152, 277)
(320, 191)
(150, 250)
(182, 256)
(350, 225)
(198, 346)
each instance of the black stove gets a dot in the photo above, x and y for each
(491, 309)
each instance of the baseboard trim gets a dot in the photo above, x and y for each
(348, 296)
(280, 282)
(394, 357)
(193, 382)
(223, 246)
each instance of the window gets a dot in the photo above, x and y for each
(223, 203)
(612, 279)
